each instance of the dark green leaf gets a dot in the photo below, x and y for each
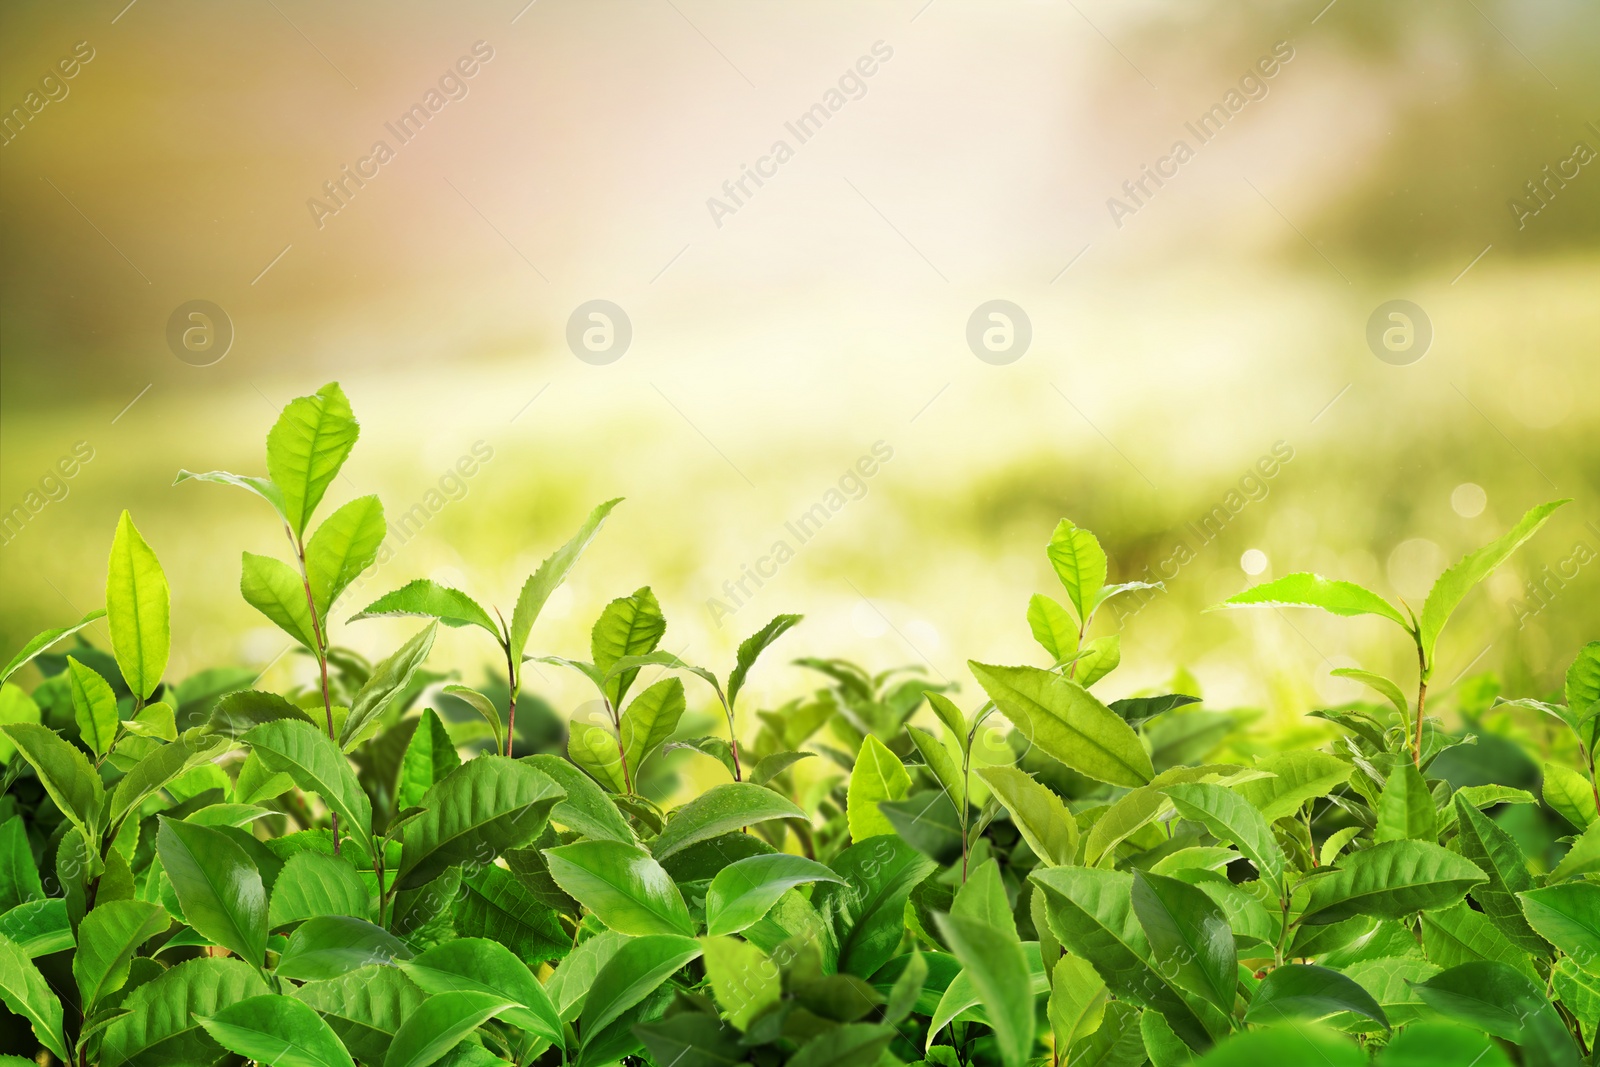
(25, 991)
(430, 757)
(314, 883)
(1231, 818)
(277, 1031)
(1190, 939)
(1390, 881)
(159, 1029)
(64, 772)
(482, 966)
(634, 972)
(387, 679)
(1567, 916)
(928, 822)
(218, 886)
(1499, 856)
(1405, 808)
(484, 807)
(586, 809)
(331, 945)
(1506, 1003)
(365, 1008)
(1301, 991)
(107, 939)
(315, 763)
(867, 912)
(438, 1024)
(496, 906)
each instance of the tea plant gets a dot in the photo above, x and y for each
(886, 871)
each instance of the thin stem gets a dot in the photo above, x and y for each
(1422, 700)
(319, 635)
(966, 787)
(733, 742)
(622, 752)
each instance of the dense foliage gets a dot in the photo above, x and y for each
(195, 870)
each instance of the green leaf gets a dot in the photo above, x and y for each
(940, 764)
(64, 772)
(1578, 990)
(43, 641)
(484, 707)
(1039, 815)
(159, 1029)
(27, 994)
(1136, 711)
(342, 547)
(164, 765)
(752, 647)
(1067, 722)
(1051, 626)
(1091, 912)
(1290, 1044)
(365, 1008)
(691, 1039)
(1488, 796)
(314, 883)
(744, 891)
(430, 755)
(19, 875)
(1304, 590)
(719, 810)
(1190, 939)
(551, 573)
(1502, 1001)
(388, 678)
(107, 939)
(250, 483)
(277, 1031)
(439, 1024)
(907, 989)
(998, 970)
(1378, 684)
(1457, 581)
(650, 720)
(39, 927)
(928, 822)
(1569, 794)
(315, 763)
(306, 447)
(851, 1045)
(497, 906)
(878, 775)
(478, 965)
(15, 706)
(1441, 1044)
(628, 626)
(569, 986)
(1302, 991)
(481, 809)
(1096, 659)
(1077, 1000)
(273, 588)
(743, 979)
(638, 968)
(982, 898)
(1405, 808)
(94, 706)
(331, 945)
(1298, 776)
(218, 887)
(867, 912)
(1229, 817)
(1582, 858)
(1080, 563)
(430, 600)
(157, 721)
(1497, 854)
(1164, 1047)
(1390, 881)
(594, 748)
(769, 767)
(586, 809)
(1567, 916)
(623, 885)
(1456, 935)
(138, 610)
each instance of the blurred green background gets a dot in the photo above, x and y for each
(1225, 316)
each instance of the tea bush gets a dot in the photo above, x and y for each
(196, 871)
